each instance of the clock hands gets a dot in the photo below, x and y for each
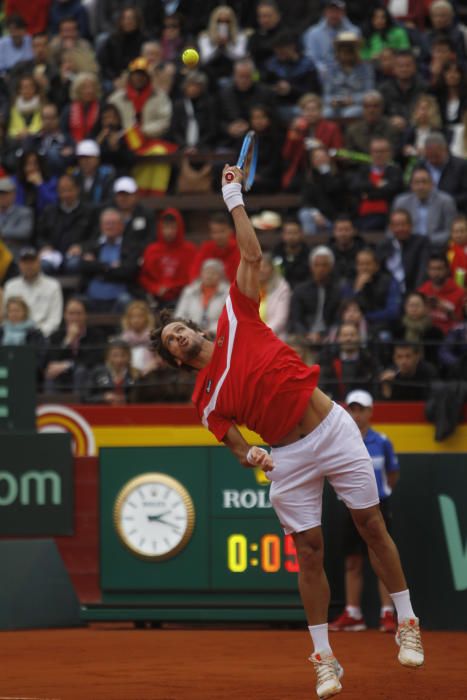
(158, 518)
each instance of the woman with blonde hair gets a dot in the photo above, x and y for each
(275, 296)
(222, 43)
(81, 118)
(137, 323)
(425, 119)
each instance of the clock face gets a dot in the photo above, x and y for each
(154, 516)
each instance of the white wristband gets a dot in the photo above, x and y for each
(249, 458)
(232, 193)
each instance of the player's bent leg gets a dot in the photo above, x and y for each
(386, 564)
(315, 594)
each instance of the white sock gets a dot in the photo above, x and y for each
(319, 635)
(354, 611)
(403, 605)
(386, 609)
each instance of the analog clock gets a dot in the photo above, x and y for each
(154, 516)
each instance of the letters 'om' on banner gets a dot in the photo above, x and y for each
(152, 178)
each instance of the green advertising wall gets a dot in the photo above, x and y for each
(238, 564)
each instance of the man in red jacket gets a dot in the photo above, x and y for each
(166, 263)
(222, 246)
(445, 298)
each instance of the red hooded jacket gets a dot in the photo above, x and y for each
(166, 266)
(35, 14)
(230, 256)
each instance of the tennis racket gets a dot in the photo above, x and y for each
(247, 160)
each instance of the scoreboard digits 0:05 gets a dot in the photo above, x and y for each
(270, 554)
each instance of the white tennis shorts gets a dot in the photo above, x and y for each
(335, 450)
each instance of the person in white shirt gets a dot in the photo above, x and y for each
(42, 293)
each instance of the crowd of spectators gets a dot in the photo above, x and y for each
(360, 113)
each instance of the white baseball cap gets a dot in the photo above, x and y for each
(267, 220)
(125, 184)
(88, 147)
(363, 398)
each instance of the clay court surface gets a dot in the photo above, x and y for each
(119, 663)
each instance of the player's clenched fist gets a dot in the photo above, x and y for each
(231, 174)
(260, 458)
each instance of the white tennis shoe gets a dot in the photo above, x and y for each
(410, 642)
(328, 674)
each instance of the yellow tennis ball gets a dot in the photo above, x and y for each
(190, 57)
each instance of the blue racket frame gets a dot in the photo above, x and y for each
(249, 141)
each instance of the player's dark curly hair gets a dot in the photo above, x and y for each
(166, 317)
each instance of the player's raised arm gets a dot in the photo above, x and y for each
(250, 249)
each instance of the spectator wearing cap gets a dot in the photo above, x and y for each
(81, 118)
(220, 246)
(141, 104)
(315, 303)
(123, 45)
(222, 44)
(16, 46)
(194, 125)
(16, 220)
(63, 228)
(346, 365)
(138, 220)
(290, 74)
(448, 172)
(348, 79)
(372, 124)
(386, 468)
(110, 264)
(432, 211)
(94, 180)
(165, 270)
(269, 23)
(291, 253)
(42, 293)
(319, 39)
(51, 142)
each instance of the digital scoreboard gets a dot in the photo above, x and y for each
(190, 528)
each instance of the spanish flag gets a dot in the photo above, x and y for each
(152, 178)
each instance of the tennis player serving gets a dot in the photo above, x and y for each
(248, 376)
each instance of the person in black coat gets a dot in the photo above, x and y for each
(269, 21)
(74, 350)
(235, 102)
(374, 186)
(64, 228)
(449, 172)
(18, 329)
(123, 45)
(270, 138)
(345, 365)
(403, 253)
(410, 377)
(194, 123)
(315, 303)
(323, 193)
(345, 243)
(415, 326)
(113, 382)
(291, 253)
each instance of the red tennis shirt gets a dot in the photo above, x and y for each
(253, 378)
